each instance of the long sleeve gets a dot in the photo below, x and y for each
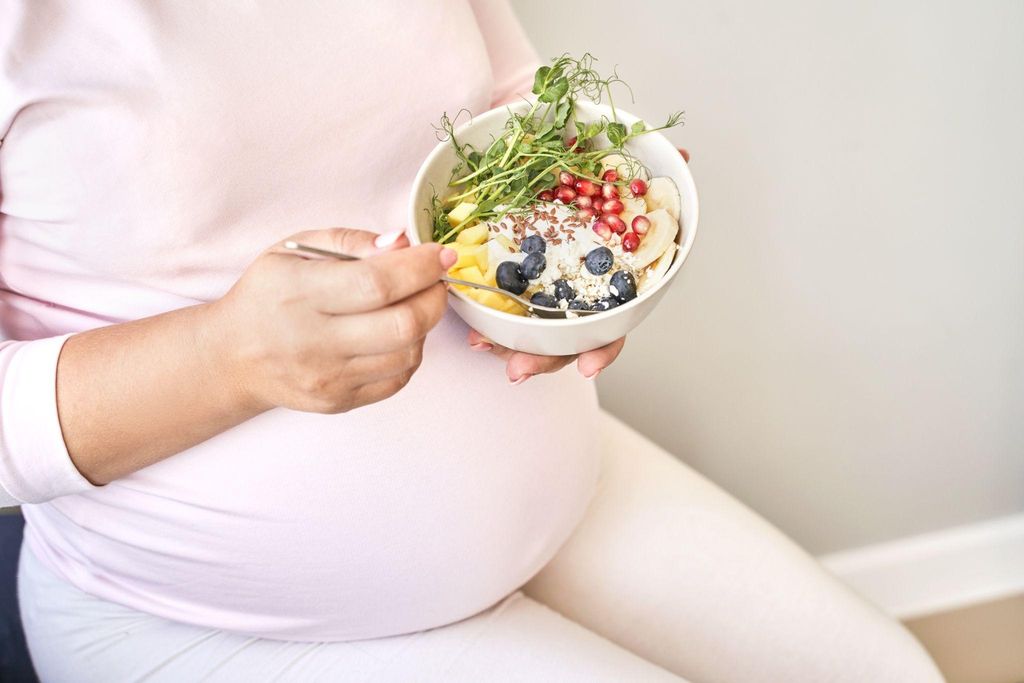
(34, 462)
(513, 58)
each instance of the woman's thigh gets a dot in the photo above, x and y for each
(672, 568)
(76, 638)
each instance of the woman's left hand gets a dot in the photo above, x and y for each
(520, 367)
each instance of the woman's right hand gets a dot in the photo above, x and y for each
(328, 336)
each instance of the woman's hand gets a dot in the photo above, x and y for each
(520, 367)
(314, 335)
(325, 335)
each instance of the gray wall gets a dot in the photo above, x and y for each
(844, 350)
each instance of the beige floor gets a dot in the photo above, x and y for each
(979, 644)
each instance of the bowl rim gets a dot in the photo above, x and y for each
(625, 117)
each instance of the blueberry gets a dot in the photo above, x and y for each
(534, 244)
(622, 286)
(509, 278)
(579, 305)
(544, 299)
(563, 290)
(599, 261)
(533, 265)
(605, 304)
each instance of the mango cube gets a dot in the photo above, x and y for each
(472, 274)
(513, 308)
(472, 236)
(460, 213)
(491, 299)
(481, 255)
(491, 276)
(466, 256)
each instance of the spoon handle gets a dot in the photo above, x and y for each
(292, 245)
(529, 306)
(295, 246)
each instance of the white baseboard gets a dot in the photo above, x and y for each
(939, 571)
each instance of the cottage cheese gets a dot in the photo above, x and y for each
(568, 240)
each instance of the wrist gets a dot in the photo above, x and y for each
(222, 363)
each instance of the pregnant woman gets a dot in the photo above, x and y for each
(239, 465)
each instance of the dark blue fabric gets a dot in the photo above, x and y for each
(15, 666)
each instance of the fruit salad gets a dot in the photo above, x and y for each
(556, 209)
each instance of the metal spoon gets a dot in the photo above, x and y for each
(539, 311)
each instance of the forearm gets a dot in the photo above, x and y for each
(130, 395)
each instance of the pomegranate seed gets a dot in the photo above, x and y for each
(641, 224)
(598, 204)
(586, 187)
(638, 187)
(585, 202)
(546, 196)
(602, 229)
(613, 206)
(566, 194)
(610, 176)
(585, 212)
(630, 241)
(609, 191)
(615, 223)
(571, 142)
(568, 179)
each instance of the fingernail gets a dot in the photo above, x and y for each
(519, 381)
(593, 375)
(448, 258)
(387, 239)
(481, 346)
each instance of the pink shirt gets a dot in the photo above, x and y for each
(150, 151)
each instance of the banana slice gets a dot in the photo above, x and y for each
(660, 236)
(626, 168)
(662, 193)
(657, 269)
(633, 207)
(636, 205)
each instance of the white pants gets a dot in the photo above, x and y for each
(667, 579)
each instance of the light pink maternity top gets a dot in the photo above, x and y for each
(151, 150)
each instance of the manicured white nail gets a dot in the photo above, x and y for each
(387, 239)
(594, 375)
(519, 381)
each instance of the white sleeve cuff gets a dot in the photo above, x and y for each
(34, 463)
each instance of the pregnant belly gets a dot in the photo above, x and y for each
(405, 515)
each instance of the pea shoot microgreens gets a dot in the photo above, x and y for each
(527, 157)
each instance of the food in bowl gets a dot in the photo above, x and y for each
(555, 208)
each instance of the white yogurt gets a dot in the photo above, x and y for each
(568, 240)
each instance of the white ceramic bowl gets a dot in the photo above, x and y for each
(537, 335)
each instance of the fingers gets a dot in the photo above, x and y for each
(522, 366)
(478, 342)
(380, 366)
(591, 363)
(344, 287)
(686, 155)
(361, 243)
(393, 327)
(380, 390)
(519, 367)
